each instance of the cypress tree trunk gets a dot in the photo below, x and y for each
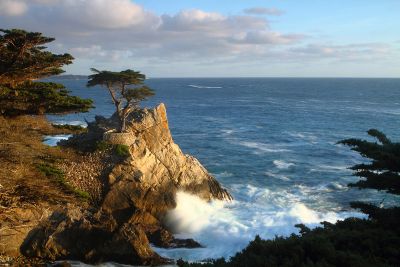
(123, 123)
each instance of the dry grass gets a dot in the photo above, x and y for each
(21, 149)
(27, 193)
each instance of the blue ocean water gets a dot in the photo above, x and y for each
(272, 143)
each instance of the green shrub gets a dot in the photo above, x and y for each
(82, 194)
(122, 150)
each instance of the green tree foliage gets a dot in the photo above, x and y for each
(353, 242)
(383, 173)
(126, 88)
(23, 57)
(349, 243)
(40, 98)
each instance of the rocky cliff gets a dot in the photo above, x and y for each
(138, 190)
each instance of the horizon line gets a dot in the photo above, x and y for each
(254, 77)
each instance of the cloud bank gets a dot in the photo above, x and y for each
(104, 32)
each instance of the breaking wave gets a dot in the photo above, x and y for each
(224, 228)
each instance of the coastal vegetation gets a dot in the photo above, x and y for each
(74, 128)
(23, 60)
(31, 181)
(126, 89)
(374, 241)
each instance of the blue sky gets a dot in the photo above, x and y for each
(347, 21)
(205, 38)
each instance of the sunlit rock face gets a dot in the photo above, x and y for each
(139, 192)
(156, 170)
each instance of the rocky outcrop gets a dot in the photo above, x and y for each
(139, 190)
(72, 234)
(156, 170)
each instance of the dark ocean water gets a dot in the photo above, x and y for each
(272, 143)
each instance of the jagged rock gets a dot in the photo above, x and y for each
(140, 191)
(164, 239)
(62, 264)
(76, 235)
(19, 222)
(156, 170)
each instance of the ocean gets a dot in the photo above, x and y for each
(272, 143)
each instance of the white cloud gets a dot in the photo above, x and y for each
(349, 52)
(263, 11)
(80, 14)
(12, 7)
(100, 54)
(103, 13)
(269, 37)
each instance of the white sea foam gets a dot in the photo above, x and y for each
(262, 148)
(304, 136)
(205, 87)
(224, 174)
(280, 164)
(52, 140)
(277, 176)
(335, 186)
(227, 131)
(225, 228)
(76, 123)
(191, 214)
(329, 168)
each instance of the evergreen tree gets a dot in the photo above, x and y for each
(126, 88)
(383, 173)
(23, 57)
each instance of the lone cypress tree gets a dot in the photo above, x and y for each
(126, 88)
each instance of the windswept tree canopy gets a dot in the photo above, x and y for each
(23, 57)
(383, 173)
(126, 88)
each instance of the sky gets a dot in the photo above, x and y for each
(218, 38)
